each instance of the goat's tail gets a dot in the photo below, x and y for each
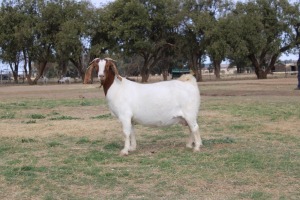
(187, 78)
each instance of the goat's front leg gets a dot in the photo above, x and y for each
(132, 140)
(191, 140)
(127, 131)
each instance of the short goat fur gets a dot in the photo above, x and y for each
(156, 104)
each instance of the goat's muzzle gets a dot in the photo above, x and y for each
(101, 78)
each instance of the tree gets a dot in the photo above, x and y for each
(10, 48)
(70, 40)
(262, 30)
(32, 35)
(144, 28)
(40, 32)
(217, 48)
(198, 18)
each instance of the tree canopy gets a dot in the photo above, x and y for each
(157, 33)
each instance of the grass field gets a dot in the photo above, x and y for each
(60, 142)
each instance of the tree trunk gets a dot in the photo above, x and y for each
(217, 68)
(165, 75)
(14, 70)
(197, 64)
(145, 74)
(79, 67)
(260, 74)
(28, 72)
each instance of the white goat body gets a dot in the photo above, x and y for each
(157, 104)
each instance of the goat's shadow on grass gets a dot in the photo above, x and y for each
(160, 145)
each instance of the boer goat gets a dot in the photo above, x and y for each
(156, 104)
(64, 80)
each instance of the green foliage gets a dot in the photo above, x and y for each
(183, 31)
(258, 30)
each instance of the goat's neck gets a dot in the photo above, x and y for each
(108, 82)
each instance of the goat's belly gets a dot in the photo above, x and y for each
(157, 121)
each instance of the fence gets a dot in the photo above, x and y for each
(6, 77)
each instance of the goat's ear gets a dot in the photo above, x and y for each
(114, 68)
(88, 73)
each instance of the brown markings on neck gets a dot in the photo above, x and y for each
(109, 77)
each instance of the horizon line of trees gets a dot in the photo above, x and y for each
(147, 34)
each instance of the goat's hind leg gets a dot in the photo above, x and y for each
(194, 135)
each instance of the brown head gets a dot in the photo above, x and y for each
(107, 71)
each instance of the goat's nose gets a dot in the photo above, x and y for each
(101, 76)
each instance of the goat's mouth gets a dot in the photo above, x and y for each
(102, 80)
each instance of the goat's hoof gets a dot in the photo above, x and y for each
(124, 153)
(132, 149)
(190, 146)
(196, 150)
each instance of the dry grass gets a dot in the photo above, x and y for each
(58, 142)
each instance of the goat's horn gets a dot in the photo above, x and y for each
(110, 59)
(114, 68)
(95, 60)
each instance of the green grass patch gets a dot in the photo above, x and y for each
(54, 144)
(273, 111)
(83, 140)
(105, 116)
(256, 195)
(64, 118)
(50, 103)
(114, 146)
(37, 116)
(30, 122)
(28, 140)
(7, 115)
